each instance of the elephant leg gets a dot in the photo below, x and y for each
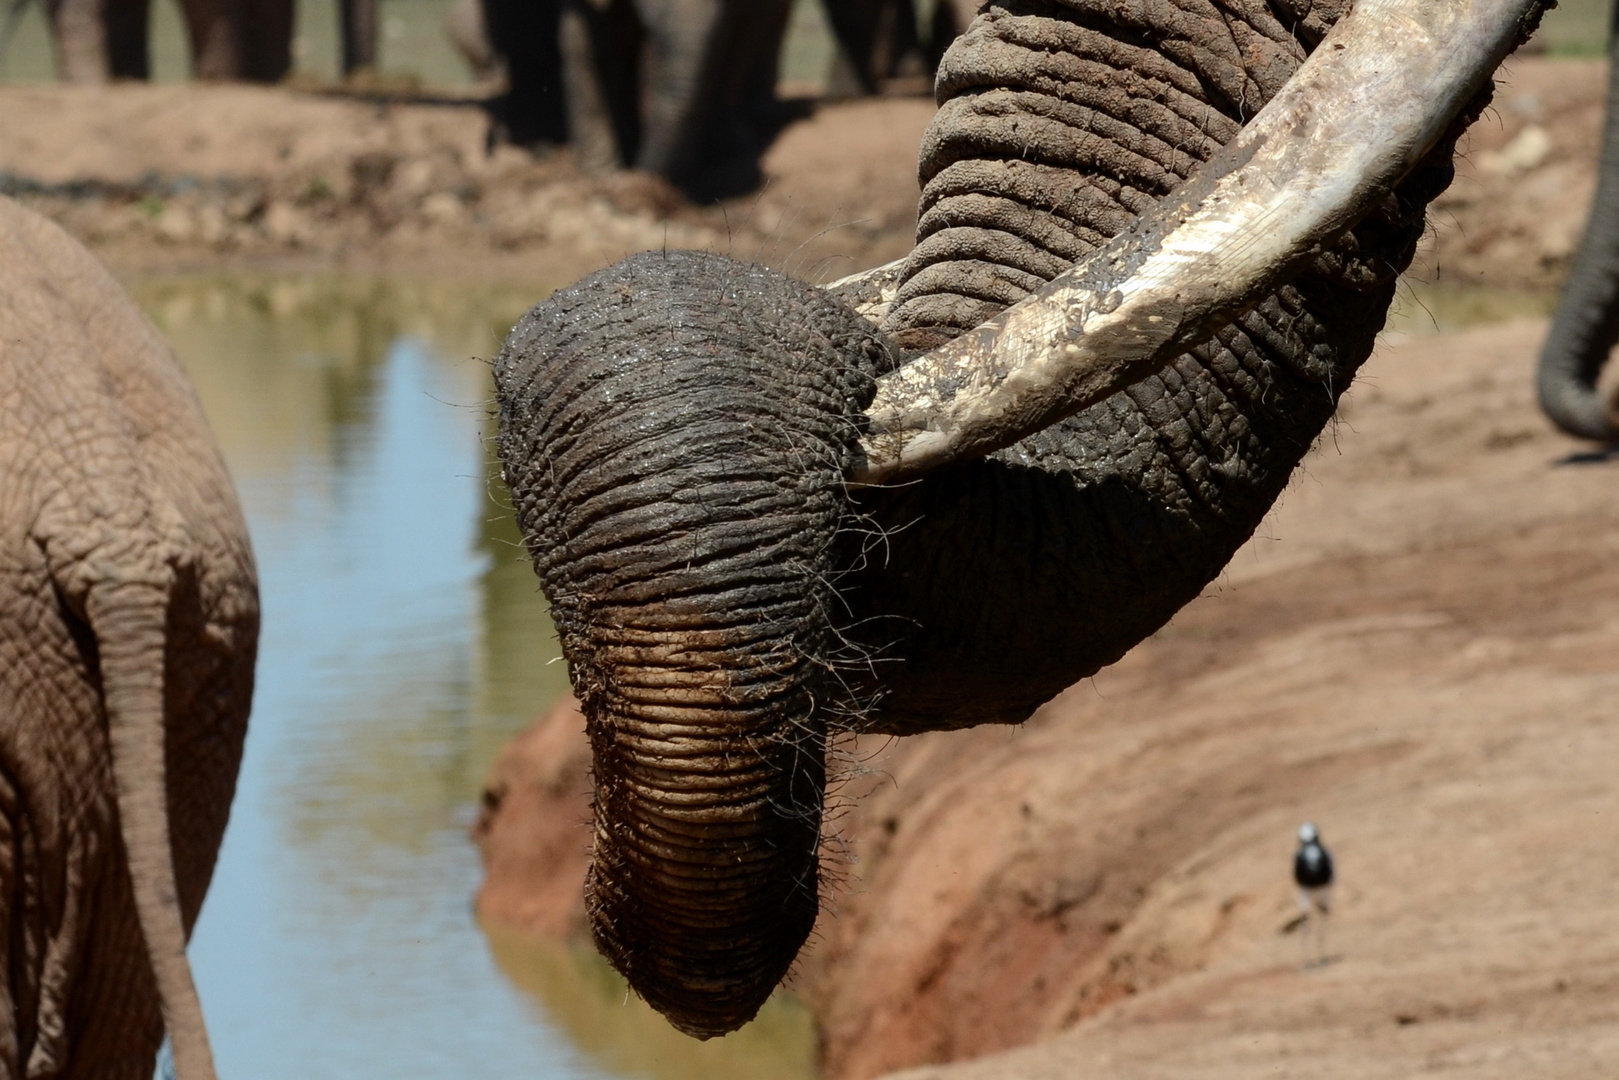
(745, 113)
(526, 33)
(601, 49)
(1586, 325)
(949, 19)
(854, 26)
(215, 50)
(896, 37)
(264, 42)
(464, 26)
(128, 54)
(708, 60)
(359, 23)
(681, 36)
(80, 36)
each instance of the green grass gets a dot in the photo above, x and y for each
(1577, 28)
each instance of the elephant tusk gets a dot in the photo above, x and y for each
(871, 292)
(1373, 98)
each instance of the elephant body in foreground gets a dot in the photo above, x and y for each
(128, 631)
(679, 432)
(97, 40)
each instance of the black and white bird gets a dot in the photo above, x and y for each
(1312, 870)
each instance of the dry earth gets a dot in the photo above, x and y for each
(1416, 652)
(185, 177)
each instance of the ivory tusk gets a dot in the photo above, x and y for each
(871, 292)
(1355, 118)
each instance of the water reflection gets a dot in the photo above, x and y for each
(589, 999)
(404, 642)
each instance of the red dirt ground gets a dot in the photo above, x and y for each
(1416, 653)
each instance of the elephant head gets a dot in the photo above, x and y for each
(935, 495)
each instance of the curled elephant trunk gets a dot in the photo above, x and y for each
(1586, 326)
(677, 466)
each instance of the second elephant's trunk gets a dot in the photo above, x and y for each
(1587, 322)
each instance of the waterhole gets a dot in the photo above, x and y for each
(405, 640)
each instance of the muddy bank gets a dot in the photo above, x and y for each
(533, 829)
(191, 177)
(188, 177)
(1416, 652)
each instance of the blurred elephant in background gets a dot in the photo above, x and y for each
(129, 621)
(684, 89)
(1586, 325)
(97, 40)
(875, 38)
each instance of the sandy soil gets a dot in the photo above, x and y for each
(188, 177)
(1416, 653)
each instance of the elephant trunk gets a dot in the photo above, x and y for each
(676, 431)
(680, 506)
(1587, 322)
(708, 810)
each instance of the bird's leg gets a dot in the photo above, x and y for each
(1323, 900)
(1307, 927)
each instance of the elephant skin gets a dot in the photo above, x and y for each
(128, 630)
(676, 431)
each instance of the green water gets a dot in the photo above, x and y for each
(1423, 309)
(411, 41)
(405, 640)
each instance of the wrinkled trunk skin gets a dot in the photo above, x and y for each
(1586, 326)
(674, 449)
(686, 557)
